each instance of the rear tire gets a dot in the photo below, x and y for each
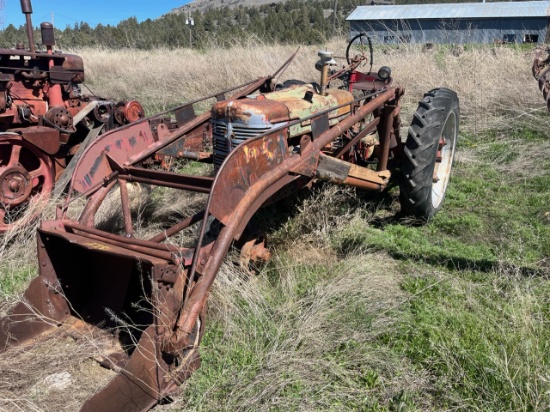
(429, 153)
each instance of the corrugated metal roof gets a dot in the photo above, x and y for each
(452, 11)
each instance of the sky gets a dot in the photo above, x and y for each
(69, 12)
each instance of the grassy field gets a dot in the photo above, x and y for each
(360, 309)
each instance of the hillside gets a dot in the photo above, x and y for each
(293, 21)
(203, 5)
(217, 23)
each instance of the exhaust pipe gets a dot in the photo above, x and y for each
(55, 98)
(26, 8)
(323, 66)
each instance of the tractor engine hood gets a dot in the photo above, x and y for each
(235, 121)
(282, 106)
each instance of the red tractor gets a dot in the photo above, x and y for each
(265, 144)
(44, 121)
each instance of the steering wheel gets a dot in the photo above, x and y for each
(364, 42)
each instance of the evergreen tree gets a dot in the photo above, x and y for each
(294, 21)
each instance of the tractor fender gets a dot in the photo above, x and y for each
(45, 138)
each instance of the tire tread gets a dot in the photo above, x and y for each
(420, 151)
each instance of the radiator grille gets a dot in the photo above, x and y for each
(227, 136)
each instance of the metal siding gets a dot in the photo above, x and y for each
(452, 31)
(452, 11)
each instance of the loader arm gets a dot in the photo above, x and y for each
(143, 139)
(253, 173)
(188, 137)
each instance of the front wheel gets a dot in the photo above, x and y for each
(429, 152)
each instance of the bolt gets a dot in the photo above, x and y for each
(14, 186)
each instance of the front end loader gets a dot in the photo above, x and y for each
(149, 294)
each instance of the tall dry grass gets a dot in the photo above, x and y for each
(298, 336)
(494, 83)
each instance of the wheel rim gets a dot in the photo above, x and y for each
(444, 160)
(26, 174)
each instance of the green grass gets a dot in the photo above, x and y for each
(369, 336)
(488, 218)
(297, 344)
(484, 339)
(396, 316)
(361, 309)
(12, 279)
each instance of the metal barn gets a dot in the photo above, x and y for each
(454, 23)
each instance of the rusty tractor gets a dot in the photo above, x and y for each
(265, 144)
(45, 121)
(540, 69)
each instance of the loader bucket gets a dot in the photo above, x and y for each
(132, 290)
(89, 285)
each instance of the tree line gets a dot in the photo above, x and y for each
(294, 21)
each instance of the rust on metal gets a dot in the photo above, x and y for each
(118, 145)
(340, 172)
(254, 251)
(42, 101)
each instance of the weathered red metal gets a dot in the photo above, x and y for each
(40, 100)
(140, 140)
(254, 250)
(285, 141)
(25, 172)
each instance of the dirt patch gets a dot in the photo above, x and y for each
(54, 374)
